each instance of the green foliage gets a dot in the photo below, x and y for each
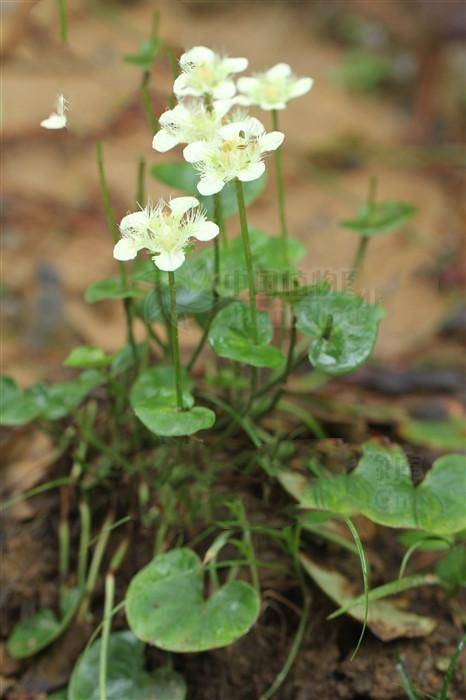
(165, 606)
(231, 332)
(86, 357)
(363, 71)
(183, 176)
(342, 327)
(49, 402)
(148, 51)
(37, 632)
(451, 569)
(112, 288)
(126, 677)
(376, 218)
(438, 435)
(381, 489)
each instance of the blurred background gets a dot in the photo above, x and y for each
(388, 100)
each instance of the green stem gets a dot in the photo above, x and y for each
(213, 310)
(175, 341)
(84, 539)
(358, 259)
(147, 102)
(62, 20)
(112, 225)
(280, 191)
(99, 551)
(174, 69)
(247, 257)
(220, 218)
(140, 183)
(106, 627)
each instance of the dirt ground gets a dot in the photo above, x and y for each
(55, 244)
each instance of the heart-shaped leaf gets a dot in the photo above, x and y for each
(231, 334)
(37, 632)
(185, 177)
(173, 422)
(17, 407)
(165, 606)
(381, 489)
(87, 357)
(342, 327)
(188, 302)
(157, 386)
(380, 217)
(112, 288)
(126, 677)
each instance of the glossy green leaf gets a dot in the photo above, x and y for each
(58, 695)
(17, 407)
(126, 677)
(172, 422)
(381, 489)
(112, 288)
(165, 605)
(230, 336)
(438, 435)
(123, 359)
(87, 357)
(37, 632)
(380, 217)
(342, 327)
(183, 176)
(156, 386)
(188, 302)
(385, 618)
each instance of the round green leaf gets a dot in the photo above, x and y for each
(381, 489)
(87, 357)
(172, 422)
(380, 217)
(165, 606)
(60, 399)
(18, 407)
(230, 336)
(185, 177)
(342, 327)
(126, 677)
(156, 386)
(109, 289)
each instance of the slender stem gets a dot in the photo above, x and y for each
(106, 627)
(140, 184)
(147, 102)
(364, 240)
(99, 551)
(280, 191)
(62, 18)
(84, 539)
(175, 341)
(64, 535)
(174, 69)
(112, 225)
(247, 257)
(220, 219)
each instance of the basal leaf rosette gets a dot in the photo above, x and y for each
(381, 488)
(165, 606)
(342, 327)
(231, 334)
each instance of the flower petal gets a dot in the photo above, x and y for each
(207, 186)
(224, 90)
(279, 71)
(221, 107)
(301, 86)
(168, 262)
(205, 230)
(180, 85)
(196, 55)
(194, 152)
(247, 83)
(268, 106)
(163, 141)
(253, 172)
(180, 205)
(135, 222)
(55, 121)
(235, 65)
(271, 141)
(125, 249)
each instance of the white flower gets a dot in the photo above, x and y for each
(237, 151)
(189, 121)
(164, 229)
(57, 120)
(272, 89)
(203, 72)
